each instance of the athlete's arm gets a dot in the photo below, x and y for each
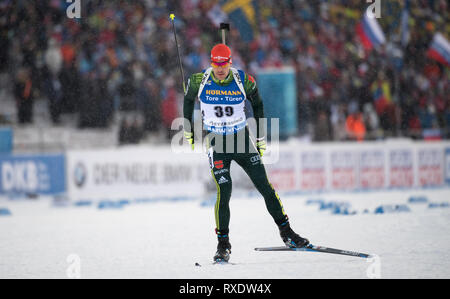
(189, 100)
(255, 99)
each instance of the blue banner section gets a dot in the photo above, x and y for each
(278, 91)
(447, 166)
(6, 140)
(32, 174)
(244, 15)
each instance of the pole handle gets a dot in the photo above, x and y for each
(224, 27)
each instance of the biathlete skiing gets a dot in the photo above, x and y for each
(222, 91)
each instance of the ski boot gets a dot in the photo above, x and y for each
(290, 238)
(223, 249)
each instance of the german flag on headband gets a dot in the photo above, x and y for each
(243, 14)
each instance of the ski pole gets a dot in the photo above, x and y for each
(223, 28)
(172, 17)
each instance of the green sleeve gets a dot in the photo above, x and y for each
(192, 88)
(253, 96)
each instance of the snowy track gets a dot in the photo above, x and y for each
(165, 240)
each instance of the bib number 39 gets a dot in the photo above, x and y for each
(220, 111)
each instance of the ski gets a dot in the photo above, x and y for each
(314, 248)
(222, 263)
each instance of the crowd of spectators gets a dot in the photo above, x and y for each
(121, 56)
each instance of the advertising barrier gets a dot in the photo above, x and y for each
(142, 172)
(6, 140)
(135, 172)
(344, 169)
(430, 163)
(32, 174)
(401, 168)
(282, 174)
(372, 170)
(313, 176)
(447, 165)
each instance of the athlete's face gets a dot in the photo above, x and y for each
(221, 70)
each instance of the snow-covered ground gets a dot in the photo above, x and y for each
(166, 239)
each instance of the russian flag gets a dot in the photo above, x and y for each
(439, 49)
(370, 33)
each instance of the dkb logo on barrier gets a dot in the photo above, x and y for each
(19, 176)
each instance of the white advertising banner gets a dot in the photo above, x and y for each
(372, 169)
(135, 172)
(282, 174)
(312, 174)
(344, 169)
(139, 172)
(430, 167)
(401, 167)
